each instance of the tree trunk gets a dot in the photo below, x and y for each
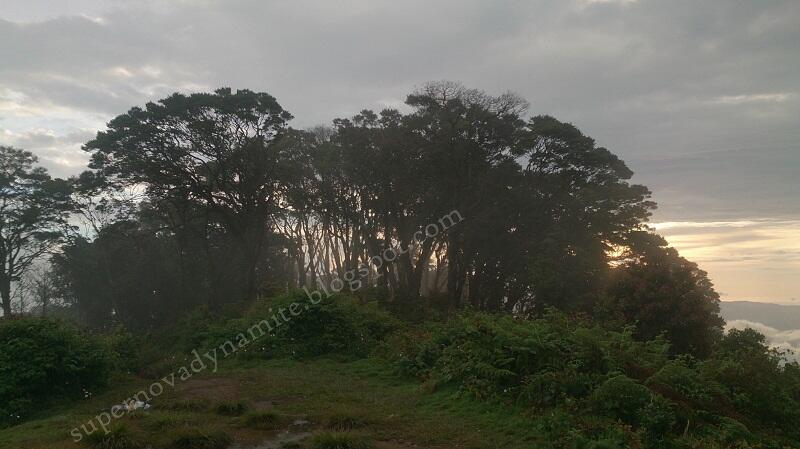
(456, 271)
(5, 296)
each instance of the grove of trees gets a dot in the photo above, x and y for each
(213, 198)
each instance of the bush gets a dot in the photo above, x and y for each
(336, 325)
(678, 379)
(540, 362)
(622, 398)
(43, 361)
(657, 419)
(582, 378)
(123, 348)
(759, 382)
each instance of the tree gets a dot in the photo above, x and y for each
(216, 152)
(663, 293)
(41, 285)
(465, 134)
(33, 215)
(578, 205)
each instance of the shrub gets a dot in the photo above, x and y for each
(337, 325)
(613, 437)
(732, 432)
(761, 384)
(621, 397)
(43, 361)
(677, 378)
(541, 362)
(123, 348)
(657, 419)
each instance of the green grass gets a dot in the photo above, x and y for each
(119, 437)
(365, 396)
(191, 405)
(231, 408)
(195, 438)
(345, 421)
(263, 420)
(339, 440)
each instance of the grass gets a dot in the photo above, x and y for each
(336, 396)
(263, 420)
(118, 437)
(345, 422)
(165, 420)
(231, 408)
(190, 405)
(339, 440)
(194, 438)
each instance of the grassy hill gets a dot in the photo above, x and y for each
(358, 400)
(353, 373)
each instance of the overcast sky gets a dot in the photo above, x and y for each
(701, 98)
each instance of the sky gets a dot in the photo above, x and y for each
(701, 99)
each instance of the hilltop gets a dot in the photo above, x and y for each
(358, 373)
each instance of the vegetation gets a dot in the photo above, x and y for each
(198, 439)
(118, 437)
(581, 372)
(466, 260)
(231, 408)
(43, 361)
(263, 420)
(462, 198)
(559, 381)
(33, 209)
(339, 440)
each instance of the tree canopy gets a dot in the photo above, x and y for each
(235, 203)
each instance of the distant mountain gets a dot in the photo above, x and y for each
(780, 317)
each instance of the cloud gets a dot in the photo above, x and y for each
(705, 224)
(60, 153)
(734, 100)
(646, 78)
(749, 259)
(700, 99)
(788, 340)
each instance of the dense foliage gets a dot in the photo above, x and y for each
(210, 199)
(581, 383)
(338, 325)
(43, 361)
(591, 387)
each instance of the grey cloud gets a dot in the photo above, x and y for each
(660, 82)
(60, 153)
